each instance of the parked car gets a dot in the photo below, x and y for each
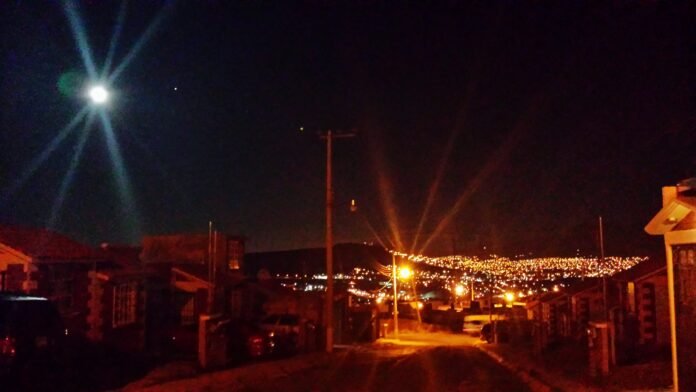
(31, 332)
(487, 333)
(246, 341)
(282, 333)
(473, 323)
(499, 330)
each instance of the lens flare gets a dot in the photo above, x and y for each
(387, 197)
(140, 43)
(432, 192)
(67, 180)
(496, 160)
(98, 94)
(36, 163)
(122, 179)
(114, 38)
(80, 35)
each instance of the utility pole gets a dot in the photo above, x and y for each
(210, 267)
(396, 299)
(328, 306)
(601, 263)
(473, 296)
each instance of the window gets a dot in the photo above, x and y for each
(631, 297)
(125, 304)
(62, 290)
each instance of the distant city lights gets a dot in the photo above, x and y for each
(504, 278)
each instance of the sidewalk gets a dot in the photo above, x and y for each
(565, 369)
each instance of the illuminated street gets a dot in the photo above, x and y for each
(419, 362)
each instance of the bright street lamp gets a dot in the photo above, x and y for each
(98, 94)
(459, 290)
(405, 273)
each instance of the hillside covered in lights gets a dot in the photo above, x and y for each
(348, 257)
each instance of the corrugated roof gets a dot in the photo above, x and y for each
(44, 244)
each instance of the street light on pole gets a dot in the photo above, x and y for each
(396, 299)
(403, 273)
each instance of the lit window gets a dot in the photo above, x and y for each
(235, 254)
(125, 304)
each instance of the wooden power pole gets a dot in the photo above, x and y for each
(328, 305)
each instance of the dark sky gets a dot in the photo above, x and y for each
(538, 117)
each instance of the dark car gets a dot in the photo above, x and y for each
(487, 333)
(246, 341)
(31, 332)
(283, 332)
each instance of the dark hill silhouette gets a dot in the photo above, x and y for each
(313, 260)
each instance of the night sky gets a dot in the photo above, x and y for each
(537, 117)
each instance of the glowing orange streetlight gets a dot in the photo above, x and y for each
(405, 273)
(509, 297)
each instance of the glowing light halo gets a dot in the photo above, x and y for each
(67, 180)
(80, 36)
(98, 94)
(491, 165)
(114, 38)
(405, 273)
(121, 174)
(46, 153)
(140, 43)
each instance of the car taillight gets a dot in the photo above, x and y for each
(7, 347)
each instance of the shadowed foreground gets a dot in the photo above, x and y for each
(431, 362)
(402, 369)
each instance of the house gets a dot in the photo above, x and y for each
(551, 316)
(643, 299)
(49, 264)
(97, 298)
(676, 222)
(201, 272)
(126, 301)
(587, 305)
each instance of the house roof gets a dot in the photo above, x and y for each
(124, 255)
(584, 285)
(200, 272)
(544, 298)
(45, 244)
(670, 215)
(642, 269)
